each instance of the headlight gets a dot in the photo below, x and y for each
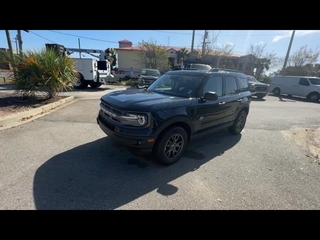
(134, 119)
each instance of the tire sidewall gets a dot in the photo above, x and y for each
(234, 129)
(159, 147)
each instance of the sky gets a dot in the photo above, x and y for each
(276, 41)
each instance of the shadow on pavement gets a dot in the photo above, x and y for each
(286, 98)
(98, 176)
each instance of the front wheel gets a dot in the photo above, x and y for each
(171, 146)
(239, 123)
(276, 91)
(313, 97)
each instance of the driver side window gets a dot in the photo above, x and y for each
(214, 84)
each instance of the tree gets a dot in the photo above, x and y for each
(153, 56)
(301, 62)
(264, 60)
(303, 56)
(183, 53)
(213, 50)
(41, 71)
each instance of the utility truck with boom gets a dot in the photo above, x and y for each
(92, 72)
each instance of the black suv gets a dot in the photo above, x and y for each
(257, 89)
(147, 77)
(178, 107)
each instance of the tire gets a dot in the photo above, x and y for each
(94, 84)
(239, 123)
(276, 91)
(171, 146)
(81, 82)
(313, 97)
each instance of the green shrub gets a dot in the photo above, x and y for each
(43, 71)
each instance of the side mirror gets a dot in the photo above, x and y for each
(211, 96)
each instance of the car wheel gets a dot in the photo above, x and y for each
(80, 82)
(171, 146)
(95, 84)
(239, 123)
(313, 97)
(276, 91)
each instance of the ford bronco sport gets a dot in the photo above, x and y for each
(178, 107)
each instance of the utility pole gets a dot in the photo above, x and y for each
(19, 41)
(204, 42)
(11, 51)
(192, 42)
(79, 47)
(287, 56)
(16, 42)
(9, 42)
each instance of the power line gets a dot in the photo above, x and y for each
(77, 36)
(175, 32)
(41, 36)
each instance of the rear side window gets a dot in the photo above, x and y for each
(243, 84)
(231, 85)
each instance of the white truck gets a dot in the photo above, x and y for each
(92, 72)
(301, 86)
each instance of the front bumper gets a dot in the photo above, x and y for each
(130, 141)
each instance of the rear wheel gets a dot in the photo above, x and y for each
(171, 146)
(239, 123)
(80, 82)
(95, 84)
(276, 91)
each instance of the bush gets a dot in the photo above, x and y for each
(43, 71)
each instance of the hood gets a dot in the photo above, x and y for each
(143, 100)
(149, 77)
(260, 84)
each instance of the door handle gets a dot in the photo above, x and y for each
(221, 103)
(239, 100)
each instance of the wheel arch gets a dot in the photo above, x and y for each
(313, 92)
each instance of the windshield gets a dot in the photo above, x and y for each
(252, 79)
(315, 81)
(150, 72)
(182, 85)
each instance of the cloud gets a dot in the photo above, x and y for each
(298, 33)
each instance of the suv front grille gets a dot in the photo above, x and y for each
(261, 88)
(110, 112)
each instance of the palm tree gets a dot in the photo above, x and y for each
(42, 71)
(183, 53)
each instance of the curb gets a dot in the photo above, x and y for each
(24, 117)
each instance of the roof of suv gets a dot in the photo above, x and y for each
(200, 72)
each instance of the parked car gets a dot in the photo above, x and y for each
(147, 77)
(177, 108)
(257, 88)
(301, 86)
(198, 66)
(223, 70)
